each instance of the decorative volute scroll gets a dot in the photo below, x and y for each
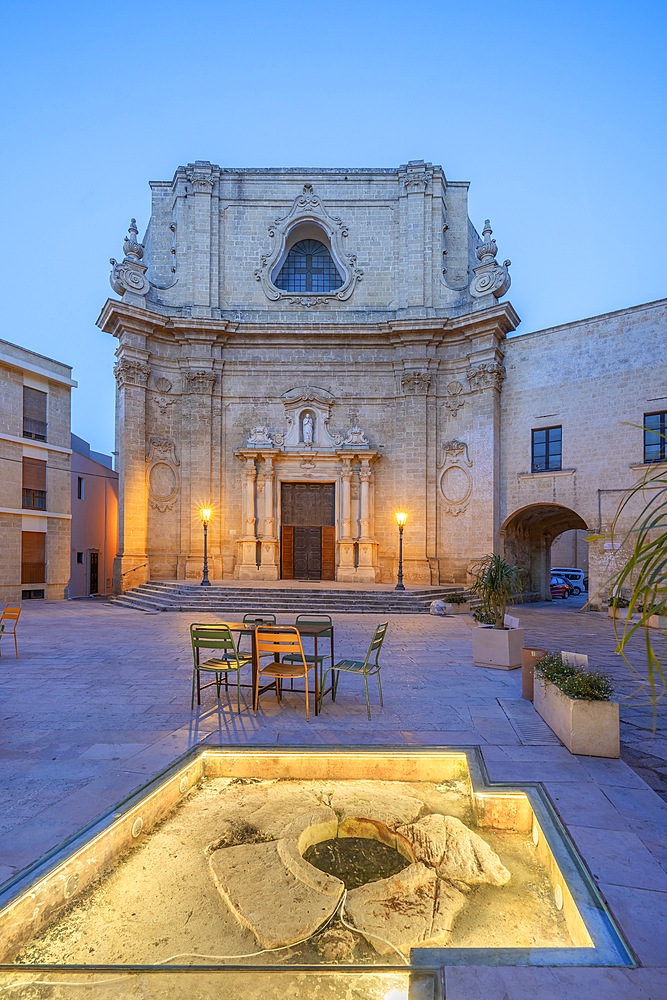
(455, 479)
(489, 375)
(130, 371)
(162, 473)
(130, 274)
(490, 277)
(308, 208)
(415, 383)
(260, 437)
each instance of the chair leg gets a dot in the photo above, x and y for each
(277, 690)
(16, 645)
(368, 701)
(335, 674)
(305, 677)
(192, 699)
(380, 689)
(238, 692)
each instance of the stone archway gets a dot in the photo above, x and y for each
(526, 538)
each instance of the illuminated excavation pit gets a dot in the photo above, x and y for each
(264, 858)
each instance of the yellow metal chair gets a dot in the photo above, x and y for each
(227, 660)
(11, 615)
(280, 641)
(367, 667)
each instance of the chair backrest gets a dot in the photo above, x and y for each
(279, 639)
(212, 637)
(308, 619)
(11, 612)
(376, 641)
(260, 619)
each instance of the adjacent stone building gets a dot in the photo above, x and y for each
(35, 481)
(309, 351)
(94, 539)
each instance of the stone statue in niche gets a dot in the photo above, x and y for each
(307, 429)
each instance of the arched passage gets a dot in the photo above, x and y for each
(527, 535)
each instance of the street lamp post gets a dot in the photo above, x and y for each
(205, 514)
(401, 518)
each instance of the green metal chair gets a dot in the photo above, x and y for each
(228, 659)
(256, 618)
(368, 667)
(308, 619)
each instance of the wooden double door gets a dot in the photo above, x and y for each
(308, 533)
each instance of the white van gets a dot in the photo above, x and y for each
(572, 575)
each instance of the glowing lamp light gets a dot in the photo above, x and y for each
(205, 514)
(401, 518)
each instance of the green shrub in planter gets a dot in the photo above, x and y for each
(484, 616)
(575, 682)
(619, 602)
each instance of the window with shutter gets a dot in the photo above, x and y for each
(33, 557)
(34, 413)
(34, 484)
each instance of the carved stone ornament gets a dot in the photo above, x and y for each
(129, 275)
(415, 383)
(260, 437)
(131, 372)
(200, 176)
(417, 176)
(308, 208)
(200, 382)
(490, 277)
(453, 401)
(356, 437)
(455, 480)
(162, 474)
(490, 375)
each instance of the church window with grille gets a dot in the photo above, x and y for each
(309, 267)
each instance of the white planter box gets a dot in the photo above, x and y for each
(620, 613)
(658, 621)
(458, 609)
(497, 647)
(591, 728)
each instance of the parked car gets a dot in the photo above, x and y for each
(560, 587)
(575, 576)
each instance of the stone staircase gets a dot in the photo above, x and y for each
(229, 600)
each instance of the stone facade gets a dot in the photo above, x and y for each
(397, 385)
(94, 540)
(22, 515)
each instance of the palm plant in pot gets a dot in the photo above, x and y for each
(495, 581)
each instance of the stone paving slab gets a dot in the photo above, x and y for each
(100, 700)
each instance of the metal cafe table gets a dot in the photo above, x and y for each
(308, 631)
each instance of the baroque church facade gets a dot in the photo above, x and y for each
(307, 352)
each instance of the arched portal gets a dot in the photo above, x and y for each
(526, 537)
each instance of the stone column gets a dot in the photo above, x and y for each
(131, 563)
(269, 569)
(346, 569)
(415, 385)
(248, 542)
(367, 544)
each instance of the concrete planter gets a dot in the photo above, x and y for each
(497, 647)
(658, 621)
(590, 728)
(529, 657)
(458, 609)
(620, 613)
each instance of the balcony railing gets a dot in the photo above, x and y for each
(34, 499)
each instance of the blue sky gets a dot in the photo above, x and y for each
(555, 112)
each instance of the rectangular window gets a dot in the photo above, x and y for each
(34, 484)
(32, 595)
(33, 557)
(34, 414)
(79, 487)
(655, 431)
(547, 449)
(79, 558)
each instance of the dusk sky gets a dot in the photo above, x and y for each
(554, 112)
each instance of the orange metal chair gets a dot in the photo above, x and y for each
(277, 641)
(11, 614)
